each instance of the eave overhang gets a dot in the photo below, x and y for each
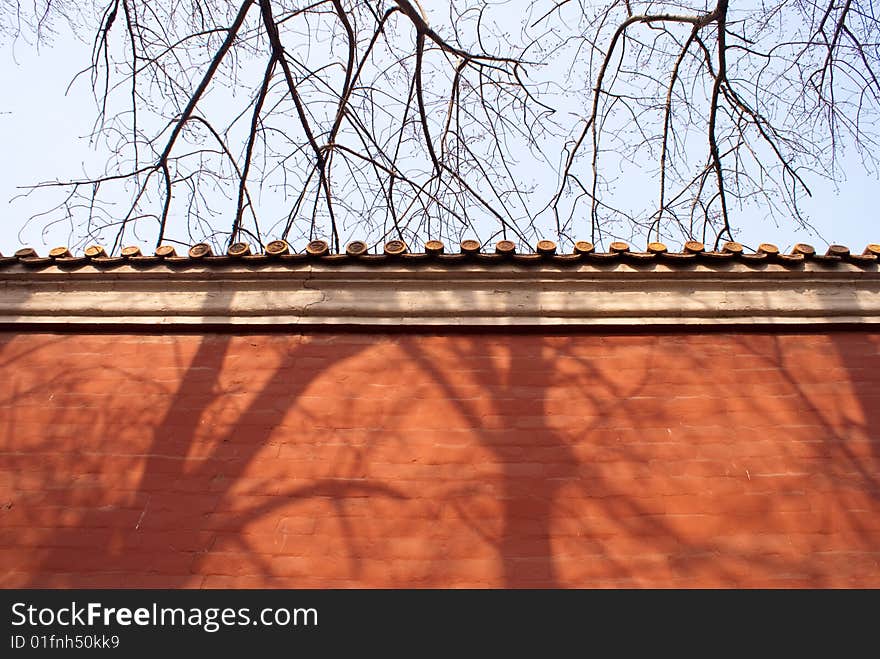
(431, 294)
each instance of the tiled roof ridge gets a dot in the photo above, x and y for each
(470, 251)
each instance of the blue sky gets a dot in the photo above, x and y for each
(43, 129)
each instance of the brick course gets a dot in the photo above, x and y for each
(431, 460)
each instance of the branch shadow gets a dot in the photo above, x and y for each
(570, 459)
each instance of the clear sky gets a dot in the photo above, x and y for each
(44, 128)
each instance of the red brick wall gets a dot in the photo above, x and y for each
(478, 459)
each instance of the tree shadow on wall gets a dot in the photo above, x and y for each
(152, 516)
(572, 429)
(615, 529)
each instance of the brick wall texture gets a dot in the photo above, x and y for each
(434, 460)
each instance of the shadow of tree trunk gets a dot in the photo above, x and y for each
(535, 407)
(173, 526)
